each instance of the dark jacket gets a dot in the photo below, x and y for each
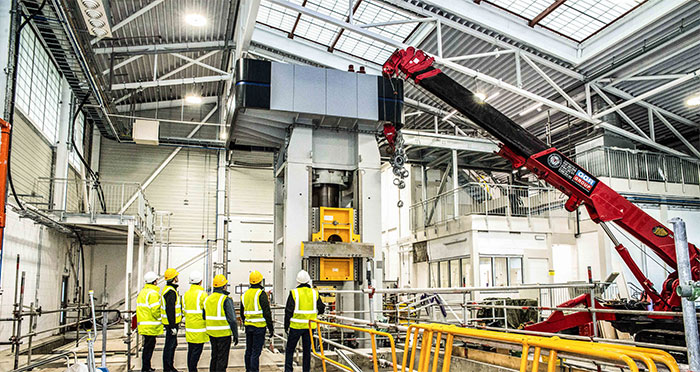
(170, 299)
(230, 312)
(289, 308)
(264, 306)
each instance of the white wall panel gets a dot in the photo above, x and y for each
(42, 253)
(186, 187)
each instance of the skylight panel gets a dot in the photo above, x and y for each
(316, 30)
(579, 19)
(276, 16)
(526, 9)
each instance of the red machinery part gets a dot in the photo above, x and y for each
(524, 149)
(4, 155)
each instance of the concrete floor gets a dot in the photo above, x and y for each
(116, 359)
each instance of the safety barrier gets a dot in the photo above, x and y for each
(373, 333)
(628, 355)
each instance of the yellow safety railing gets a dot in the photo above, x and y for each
(432, 334)
(373, 333)
(628, 355)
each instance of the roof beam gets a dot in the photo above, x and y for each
(171, 73)
(123, 63)
(619, 112)
(199, 63)
(165, 83)
(622, 94)
(678, 134)
(650, 93)
(461, 143)
(163, 48)
(245, 25)
(176, 103)
(640, 139)
(546, 12)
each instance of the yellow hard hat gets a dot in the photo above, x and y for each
(255, 277)
(171, 273)
(220, 281)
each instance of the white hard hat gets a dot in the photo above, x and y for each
(303, 277)
(150, 277)
(195, 277)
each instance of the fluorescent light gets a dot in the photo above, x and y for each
(693, 101)
(196, 20)
(413, 113)
(530, 109)
(192, 99)
(480, 96)
(492, 96)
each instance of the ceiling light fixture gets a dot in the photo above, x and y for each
(481, 97)
(530, 109)
(413, 113)
(693, 101)
(196, 20)
(94, 14)
(193, 99)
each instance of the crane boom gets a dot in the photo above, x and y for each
(523, 148)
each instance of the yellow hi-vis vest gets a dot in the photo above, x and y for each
(148, 311)
(195, 326)
(217, 326)
(178, 306)
(251, 308)
(304, 307)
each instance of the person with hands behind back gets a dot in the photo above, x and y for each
(220, 318)
(303, 303)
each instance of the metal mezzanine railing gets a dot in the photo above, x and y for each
(639, 165)
(76, 196)
(488, 199)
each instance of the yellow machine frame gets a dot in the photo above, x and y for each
(336, 221)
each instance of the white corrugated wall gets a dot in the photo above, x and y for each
(186, 187)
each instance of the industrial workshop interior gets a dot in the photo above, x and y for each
(350, 185)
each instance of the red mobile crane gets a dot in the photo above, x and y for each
(604, 205)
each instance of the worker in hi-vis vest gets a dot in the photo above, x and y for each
(303, 304)
(148, 318)
(195, 325)
(171, 316)
(220, 317)
(256, 316)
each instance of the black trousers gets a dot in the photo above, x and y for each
(254, 342)
(194, 351)
(292, 340)
(149, 344)
(220, 347)
(169, 351)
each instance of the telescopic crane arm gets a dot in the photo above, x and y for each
(524, 149)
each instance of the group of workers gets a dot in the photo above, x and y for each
(212, 318)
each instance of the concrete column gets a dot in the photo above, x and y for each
(62, 147)
(129, 268)
(476, 277)
(455, 183)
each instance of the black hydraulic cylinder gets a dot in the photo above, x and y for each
(517, 138)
